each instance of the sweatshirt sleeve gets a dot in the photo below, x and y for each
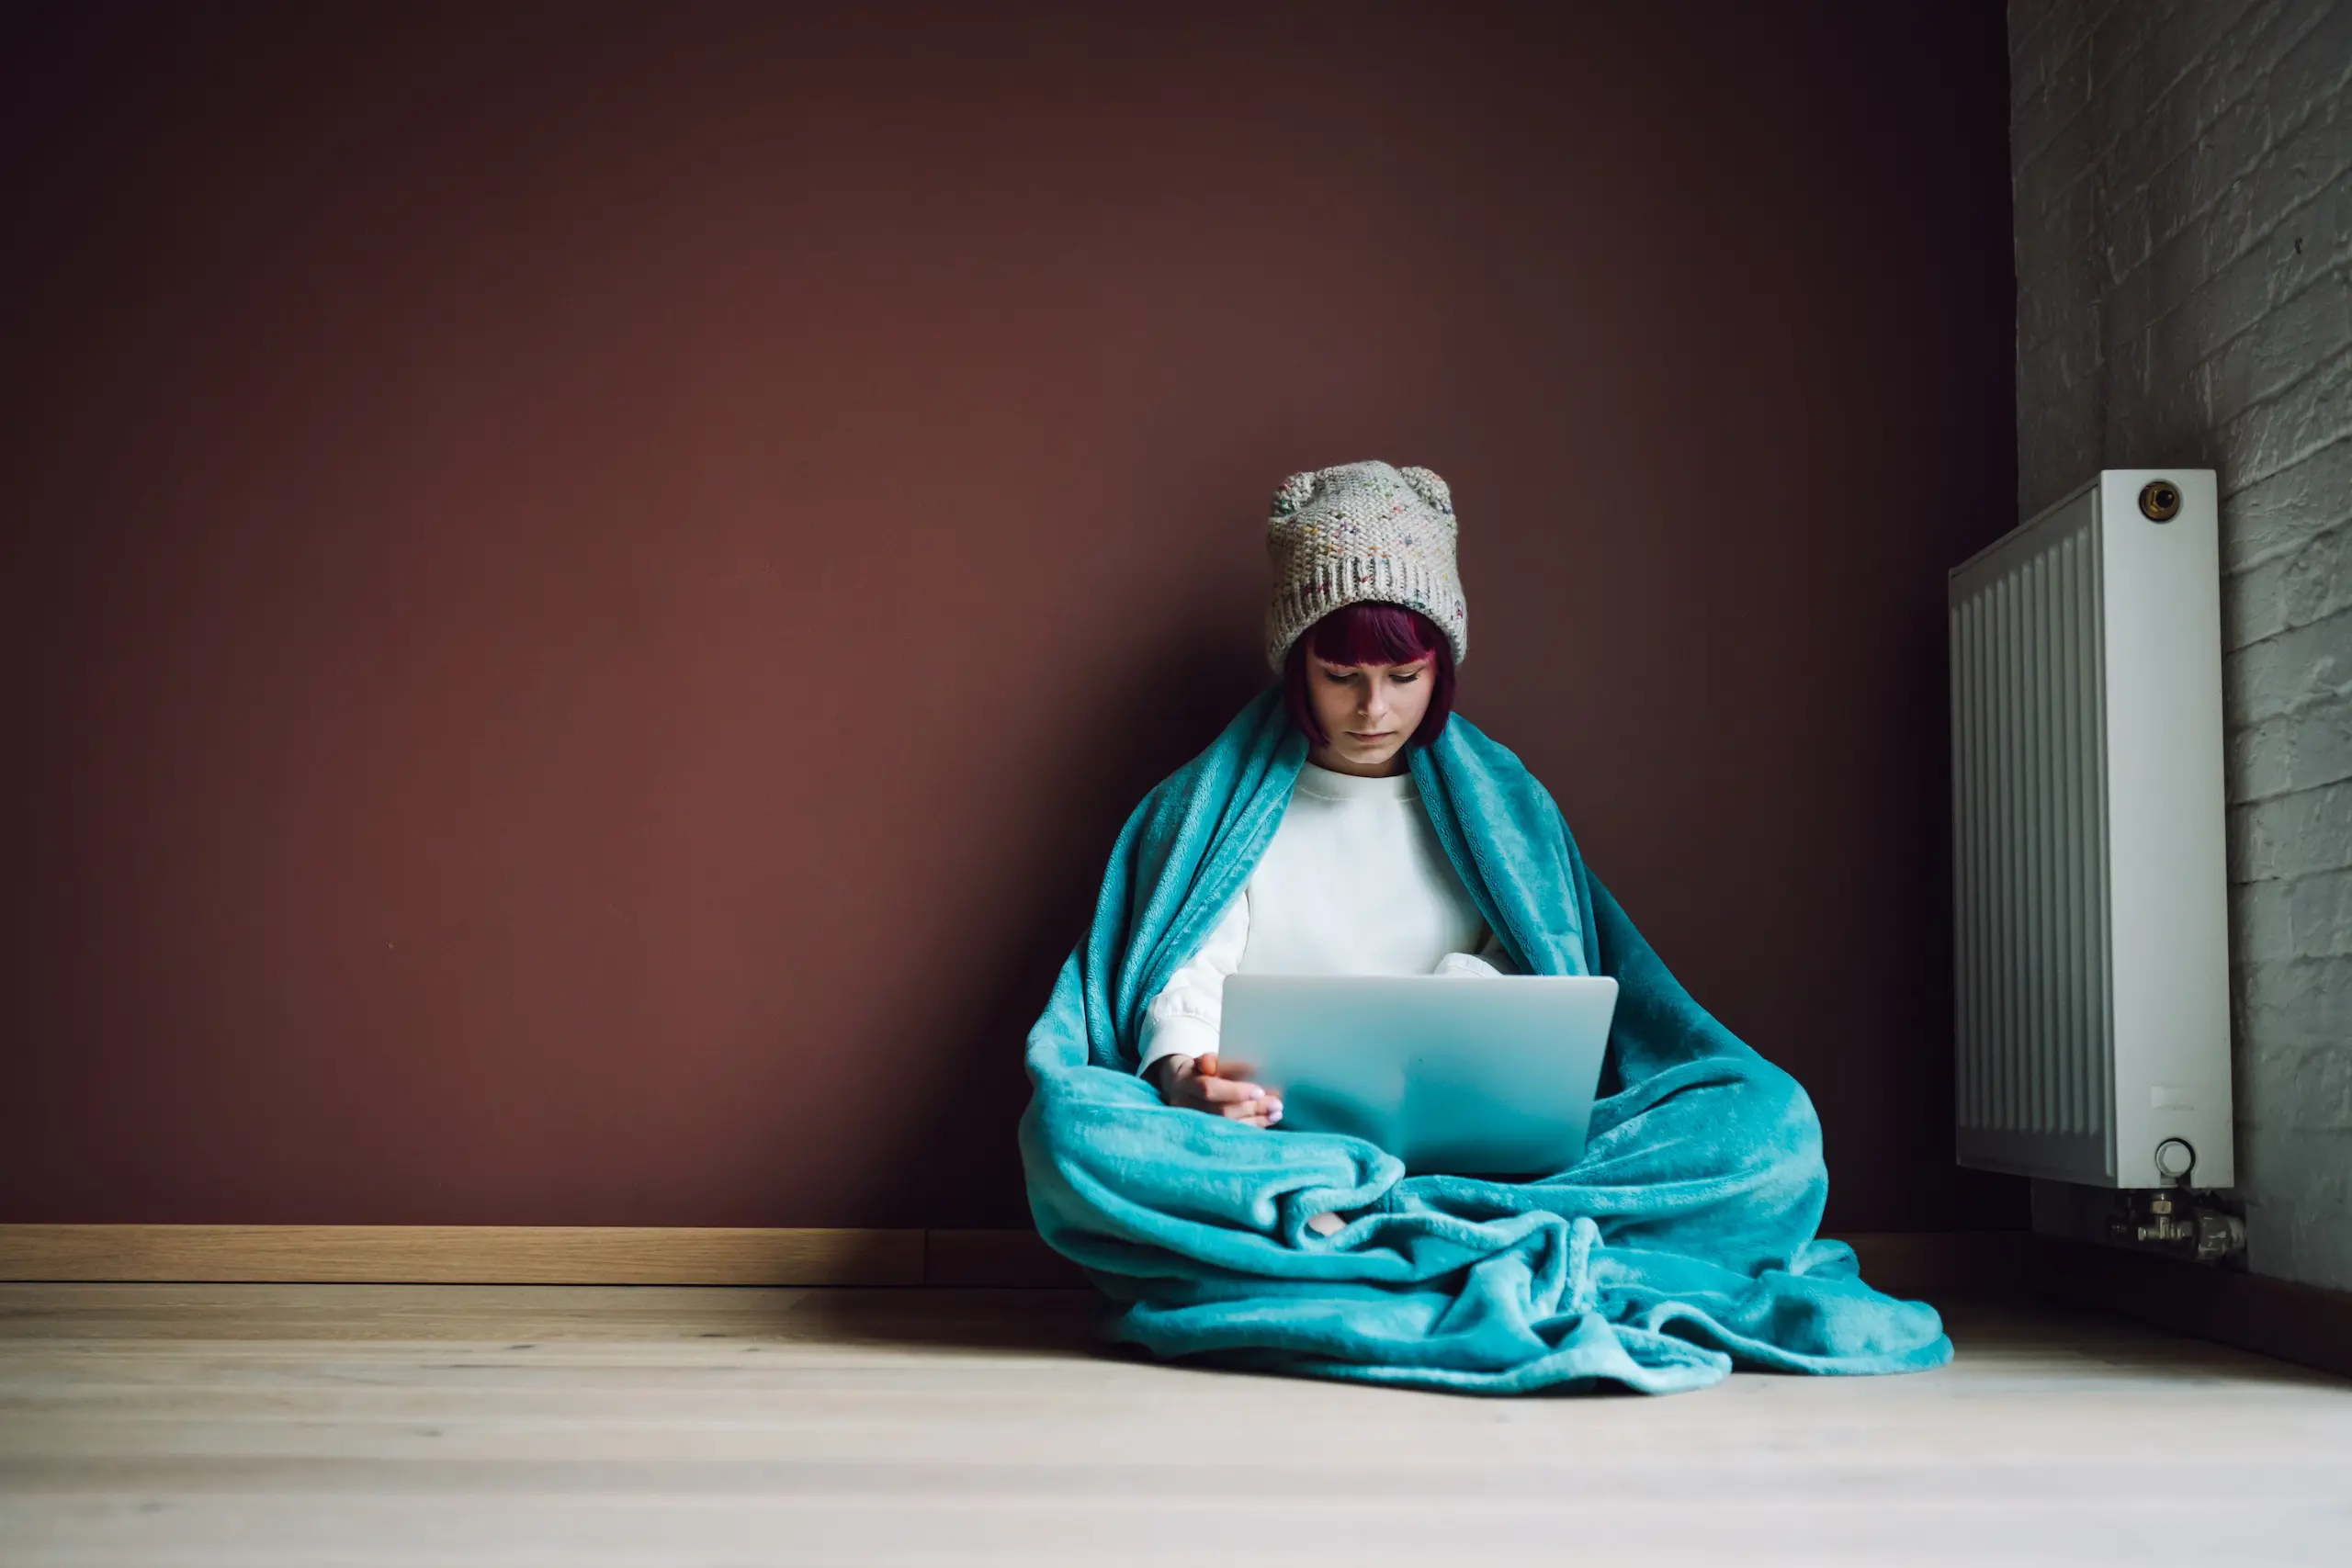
(1182, 1021)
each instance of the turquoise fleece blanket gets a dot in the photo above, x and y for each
(1682, 1243)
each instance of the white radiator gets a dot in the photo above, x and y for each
(2092, 987)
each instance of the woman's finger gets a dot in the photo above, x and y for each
(1230, 1091)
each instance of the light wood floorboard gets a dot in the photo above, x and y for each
(411, 1424)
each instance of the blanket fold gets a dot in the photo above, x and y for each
(1680, 1244)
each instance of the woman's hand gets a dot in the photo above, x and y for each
(1193, 1083)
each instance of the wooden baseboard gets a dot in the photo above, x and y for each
(995, 1258)
(463, 1255)
(2302, 1324)
(1940, 1263)
(1904, 1263)
(2294, 1323)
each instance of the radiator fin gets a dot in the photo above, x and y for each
(2031, 973)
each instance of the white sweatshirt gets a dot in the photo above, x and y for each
(1355, 883)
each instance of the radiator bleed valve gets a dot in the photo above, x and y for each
(2179, 1222)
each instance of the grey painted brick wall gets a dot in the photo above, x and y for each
(2183, 176)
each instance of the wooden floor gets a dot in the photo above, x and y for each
(347, 1424)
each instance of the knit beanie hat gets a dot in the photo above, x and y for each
(1357, 533)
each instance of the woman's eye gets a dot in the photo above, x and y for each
(1406, 679)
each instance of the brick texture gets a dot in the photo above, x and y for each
(2183, 178)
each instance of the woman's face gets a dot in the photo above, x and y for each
(1370, 711)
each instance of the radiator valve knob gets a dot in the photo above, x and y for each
(2175, 1159)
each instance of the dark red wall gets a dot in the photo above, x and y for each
(589, 587)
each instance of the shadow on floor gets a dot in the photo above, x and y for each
(1058, 1321)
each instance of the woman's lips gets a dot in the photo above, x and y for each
(1373, 735)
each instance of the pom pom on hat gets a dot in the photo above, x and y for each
(1430, 488)
(1295, 491)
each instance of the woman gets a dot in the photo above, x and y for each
(1363, 685)
(1348, 822)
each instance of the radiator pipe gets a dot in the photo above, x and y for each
(2179, 1221)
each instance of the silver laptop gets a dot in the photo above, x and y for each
(1471, 1077)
